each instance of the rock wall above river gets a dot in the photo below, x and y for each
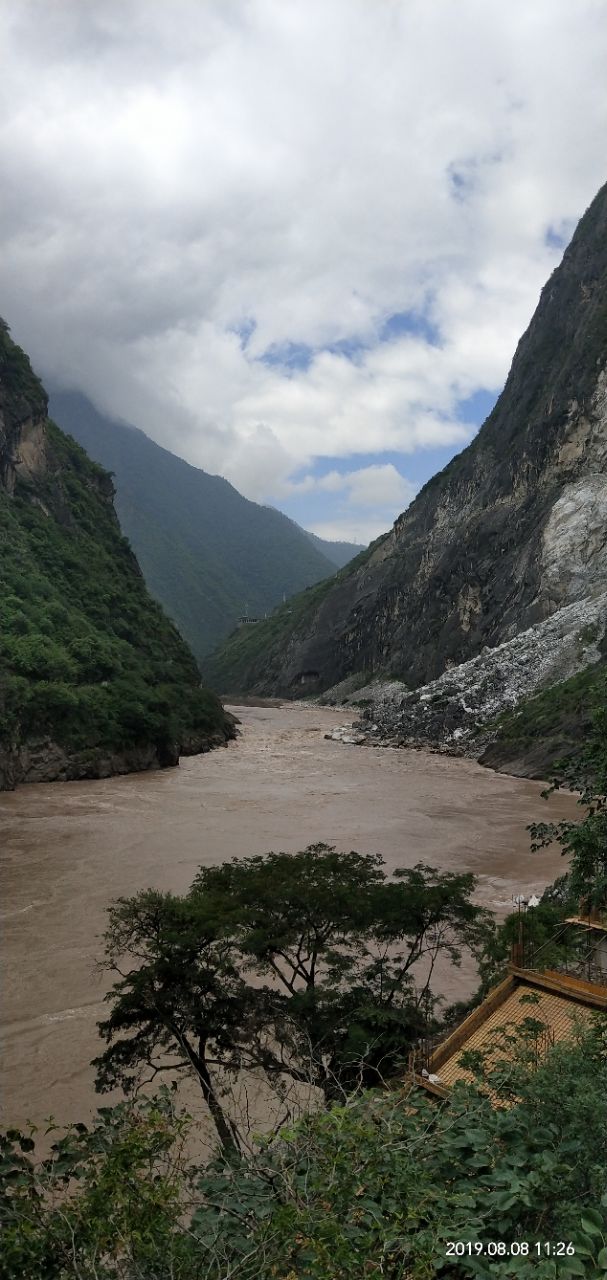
(458, 711)
(513, 529)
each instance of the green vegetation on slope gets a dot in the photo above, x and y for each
(208, 554)
(251, 655)
(22, 391)
(249, 647)
(543, 730)
(87, 658)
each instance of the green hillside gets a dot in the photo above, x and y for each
(208, 554)
(91, 669)
(553, 726)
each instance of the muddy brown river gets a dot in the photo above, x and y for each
(69, 848)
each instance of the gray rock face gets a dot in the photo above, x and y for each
(43, 760)
(574, 542)
(512, 531)
(47, 761)
(452, 713)
(23, 405)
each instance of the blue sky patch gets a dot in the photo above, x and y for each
(244, 329)
(476, 407)
(298, 356)
(461, 181)
(409, 322)
(351, 347)
(558, 237)
(289, 356)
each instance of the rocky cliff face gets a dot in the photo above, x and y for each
(94, 679)
(23, 406)
(513, 530)
(460, 711)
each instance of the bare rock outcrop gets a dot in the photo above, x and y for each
(512, 531)
(456, 712)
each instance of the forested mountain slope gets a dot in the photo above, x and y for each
(208, 554)
(94, 678)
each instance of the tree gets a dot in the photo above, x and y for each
(341, 943)
(311, 967)
(182, 1006)
(583, 842)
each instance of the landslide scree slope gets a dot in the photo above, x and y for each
(509, 532)
(207, 553)
(94, 678)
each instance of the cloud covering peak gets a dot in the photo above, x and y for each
(273, 234)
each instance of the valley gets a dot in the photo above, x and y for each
(303, 642)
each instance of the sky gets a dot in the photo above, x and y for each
(294, 242)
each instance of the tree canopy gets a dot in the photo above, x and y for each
(313, 967)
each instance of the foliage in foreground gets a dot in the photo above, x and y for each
(377, 1186)
(301, 967)
(584, 842)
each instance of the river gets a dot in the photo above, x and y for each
(69, 848)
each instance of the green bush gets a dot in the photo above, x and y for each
(37, 656)
(377, 1186)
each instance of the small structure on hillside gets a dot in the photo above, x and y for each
(245, 620)
(558, 999)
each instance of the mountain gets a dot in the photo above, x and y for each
(339, 553)
(207, 554)
(94, 678)
(510, 533)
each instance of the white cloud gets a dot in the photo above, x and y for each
(357, 528)
(364, 500)
(174, 172)
(379, 486)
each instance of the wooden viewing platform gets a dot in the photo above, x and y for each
(558, 1000)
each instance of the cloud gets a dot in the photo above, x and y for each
(379, 485)
(364, 500)
(211, 214)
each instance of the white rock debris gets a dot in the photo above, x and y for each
(449, 712)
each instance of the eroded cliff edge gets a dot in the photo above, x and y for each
(94, 678)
